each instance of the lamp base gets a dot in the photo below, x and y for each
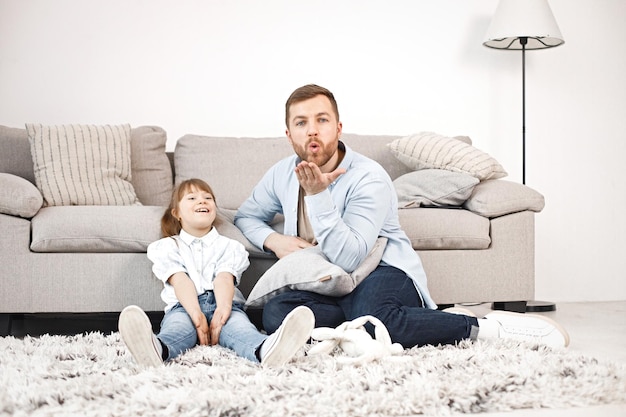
(524, 306)
(540, 306)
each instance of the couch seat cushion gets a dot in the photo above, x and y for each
(96, 228)
(450, 228)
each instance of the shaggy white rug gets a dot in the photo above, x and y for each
(94, 375)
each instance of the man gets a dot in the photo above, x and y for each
(336, 198)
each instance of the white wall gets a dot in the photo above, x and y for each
(226, 67)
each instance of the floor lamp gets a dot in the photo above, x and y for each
(524, 25)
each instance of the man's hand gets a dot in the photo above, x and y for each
(220, 317)
(283, 245)
(313, 180)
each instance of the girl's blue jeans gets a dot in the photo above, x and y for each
(387, 294)
(178, 332)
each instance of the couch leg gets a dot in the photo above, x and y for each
(516, 306)
(6, 322)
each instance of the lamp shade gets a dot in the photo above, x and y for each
(529, 19)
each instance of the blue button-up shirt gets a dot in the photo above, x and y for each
(347, 217)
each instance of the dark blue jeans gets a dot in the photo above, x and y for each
(387, 294)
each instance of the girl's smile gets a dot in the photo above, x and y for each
(197, 212)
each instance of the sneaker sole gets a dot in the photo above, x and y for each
(548, 320)
(299, 324)
(136, 331)
(459, 310)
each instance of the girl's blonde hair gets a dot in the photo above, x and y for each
(170, 225)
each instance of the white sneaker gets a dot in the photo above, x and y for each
(530, 327)
(280, 347)
(136, 331)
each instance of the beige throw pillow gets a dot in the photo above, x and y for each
(429, 150)
(82, 164)
(309, 270)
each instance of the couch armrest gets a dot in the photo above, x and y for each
(18, 196)
(494, 198)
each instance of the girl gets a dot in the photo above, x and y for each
(199, 269)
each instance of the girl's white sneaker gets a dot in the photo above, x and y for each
(136, 331)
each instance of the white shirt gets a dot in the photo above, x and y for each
(200, 258)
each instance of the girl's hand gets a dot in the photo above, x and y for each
(220, 317)
(202, 328)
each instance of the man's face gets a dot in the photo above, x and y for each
(314, 132)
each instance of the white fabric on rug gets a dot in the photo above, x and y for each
(94, 375)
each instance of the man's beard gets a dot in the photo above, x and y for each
(320, 158)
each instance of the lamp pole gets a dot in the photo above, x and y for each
(523, 40)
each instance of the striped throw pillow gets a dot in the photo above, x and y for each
(427, 150)
(82, 164)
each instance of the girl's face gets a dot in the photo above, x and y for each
(197, 212)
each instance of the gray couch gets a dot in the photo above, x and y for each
(91, 259)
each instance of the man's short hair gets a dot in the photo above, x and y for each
(308, 92)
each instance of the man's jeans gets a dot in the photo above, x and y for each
(179, 334)
(387, 294)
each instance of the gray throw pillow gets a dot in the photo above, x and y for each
(499, 197)
(309, 270)
(434, 188)
(18, 196)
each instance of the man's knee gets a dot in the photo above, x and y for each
(274, 312)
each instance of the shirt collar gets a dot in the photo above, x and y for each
(348, 156)
(206, 239)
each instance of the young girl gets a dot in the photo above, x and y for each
(199, 269)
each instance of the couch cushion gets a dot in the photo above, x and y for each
(15, 153)
(18, 196)
(226, 227)
(433, 188)
(82, 164)
(151, 168)
(216, 160)
(426, 228)
(436, 228)
(375, 147)
(95, 228)
(429, 150)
